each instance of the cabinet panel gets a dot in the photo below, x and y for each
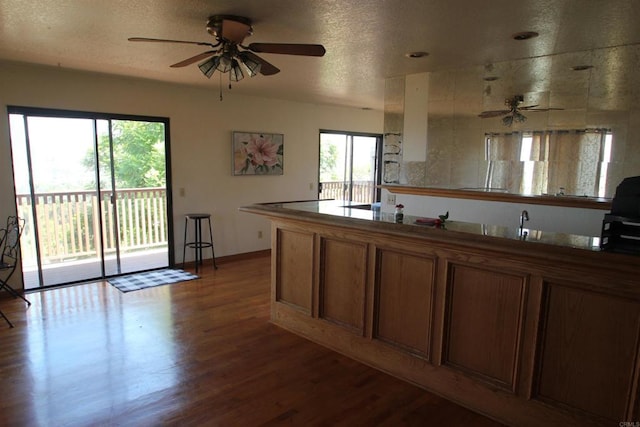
(588, 351)
(294, 275)
(343, 266)
(404, 300)
(484, 323)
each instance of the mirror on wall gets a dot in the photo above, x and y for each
(550, 162)
(581, 138)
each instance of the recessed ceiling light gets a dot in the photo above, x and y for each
(581, 67)
(416, 54)
(525, 35)
(490, 78)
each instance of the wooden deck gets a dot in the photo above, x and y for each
(201, 352)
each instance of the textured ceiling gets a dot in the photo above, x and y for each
(365, 40)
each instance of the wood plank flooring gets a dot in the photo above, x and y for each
(195, 353)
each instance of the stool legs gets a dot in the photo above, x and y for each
(184, 247)
(198, 244)
(213, 252)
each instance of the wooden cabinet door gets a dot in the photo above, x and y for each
(404, 300)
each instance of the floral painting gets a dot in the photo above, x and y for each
(257, 153)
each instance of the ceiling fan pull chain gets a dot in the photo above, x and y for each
(220, 86)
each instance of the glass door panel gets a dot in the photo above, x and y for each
(334, 167)
(349, 167)
(59, 155)
(139, 195)
(363, 166)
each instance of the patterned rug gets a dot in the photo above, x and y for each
(148, 279)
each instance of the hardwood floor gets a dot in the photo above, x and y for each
(195, 353)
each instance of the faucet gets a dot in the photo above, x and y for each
(524, 216)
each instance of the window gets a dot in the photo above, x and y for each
(349, 166)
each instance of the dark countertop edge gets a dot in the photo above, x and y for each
(529, 249)
(494, 196)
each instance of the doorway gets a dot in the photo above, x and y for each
(94, 192)
(350, 166)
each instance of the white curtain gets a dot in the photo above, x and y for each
(574, 161)
(503, 155)
(540, 157)
(567, 159)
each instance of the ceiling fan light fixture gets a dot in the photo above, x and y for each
(516, 117)
(581, 67)
(252, 66)
(415, 55)
(235, 73)
(519, 117)
(209, 66)
(224, 65)
(524, 35)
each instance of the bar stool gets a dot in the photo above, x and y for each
(197, 243)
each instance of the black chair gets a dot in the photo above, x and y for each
(9, 252)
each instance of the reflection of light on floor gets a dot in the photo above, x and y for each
(82, 329)
(77, 270)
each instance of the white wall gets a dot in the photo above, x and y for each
(416, 112)
(201, 127)
(584, 222)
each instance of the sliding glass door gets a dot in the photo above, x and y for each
(349, 166)
(93, 191)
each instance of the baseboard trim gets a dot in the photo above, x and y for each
(232, 258)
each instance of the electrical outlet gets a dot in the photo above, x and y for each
(181, 191)
(260, 234)
(391, 199)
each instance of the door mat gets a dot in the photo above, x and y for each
(149, 279)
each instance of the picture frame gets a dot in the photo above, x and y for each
(257, 153)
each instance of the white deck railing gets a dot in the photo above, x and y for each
(67, 222)
(363, 191)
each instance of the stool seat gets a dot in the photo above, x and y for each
(198, 216)
(197, 243)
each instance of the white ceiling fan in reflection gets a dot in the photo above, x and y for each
(514, 112)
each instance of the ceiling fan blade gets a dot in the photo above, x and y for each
(538, 110)
(288, 48)
(493, 113)
(528, 107)
(193, 59)
(145, 39)
(266, 68)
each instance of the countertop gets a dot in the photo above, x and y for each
(498, 195)
(569, 250)
(354, 211)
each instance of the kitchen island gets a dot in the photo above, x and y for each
(524, 326)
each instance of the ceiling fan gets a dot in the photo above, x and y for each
(513, 113)
(228, 52)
